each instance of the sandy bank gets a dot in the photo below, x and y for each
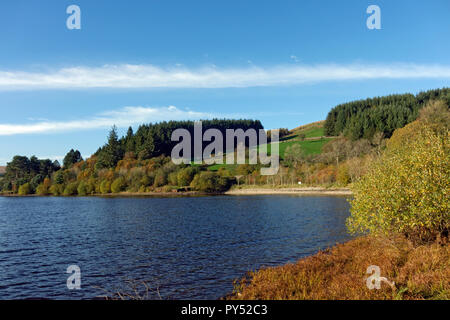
(305, 191)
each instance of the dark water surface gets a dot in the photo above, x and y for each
(188, 247)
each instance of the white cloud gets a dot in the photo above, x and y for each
(124, 117)
(149, 76)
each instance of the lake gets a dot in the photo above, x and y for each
(186, 247)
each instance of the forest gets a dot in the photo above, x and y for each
(154, 140)
(363, 118)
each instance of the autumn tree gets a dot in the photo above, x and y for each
(407, 189)
(294, 155)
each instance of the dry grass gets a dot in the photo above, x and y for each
(419, 272)
(317, 124)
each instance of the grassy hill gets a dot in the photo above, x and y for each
(311, 130)
(310, 137)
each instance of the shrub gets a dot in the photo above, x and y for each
(147, 181)
(25, 189)
(41, 190)
(407, 189)
(56, 189)
(208, 181)
(160, 179)
(44, 187)
(82, 189)
(118, 185)
(186, 175)
(91, 186)
(173, 178)
(105, 187)
(342, 176)
(71, 189)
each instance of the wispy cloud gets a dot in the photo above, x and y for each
(124, 117)
(295, 58)
(149, 76)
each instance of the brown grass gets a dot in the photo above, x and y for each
(318, 124)
(419, 272)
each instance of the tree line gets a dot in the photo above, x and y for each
(140, 162)
(363, 118)
(147, 152)
(154, 140)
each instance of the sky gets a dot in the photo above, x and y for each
(286, 63)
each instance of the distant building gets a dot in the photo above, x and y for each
(2, 171)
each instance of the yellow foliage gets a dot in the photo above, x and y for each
(407, 189)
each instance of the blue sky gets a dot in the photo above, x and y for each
(286, 63)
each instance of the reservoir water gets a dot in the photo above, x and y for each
(186, 247)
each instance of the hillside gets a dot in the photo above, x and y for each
(310, 137)
(314, 129)
(363, 118)
(316, 154)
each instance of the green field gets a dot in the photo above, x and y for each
(311, 147)
(314, 132)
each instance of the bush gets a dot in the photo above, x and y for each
(186, 175)
(82, 189)
(56, 189)
(25, 189)
(41, 190)
(105, 187)
(407, 189)
(173, 178)
(160, 179)
(91, 186)
(44, 187)
(71, 189)
(147, 181)
(208, 181)
(342, 176)
(118, 185)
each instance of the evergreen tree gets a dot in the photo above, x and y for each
(72, 157)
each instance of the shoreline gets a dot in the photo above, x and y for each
(294, 191)
(233, 192)
(413, 272)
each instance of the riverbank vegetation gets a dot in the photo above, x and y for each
(139, 162)
(402, 203)
(419, 272)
